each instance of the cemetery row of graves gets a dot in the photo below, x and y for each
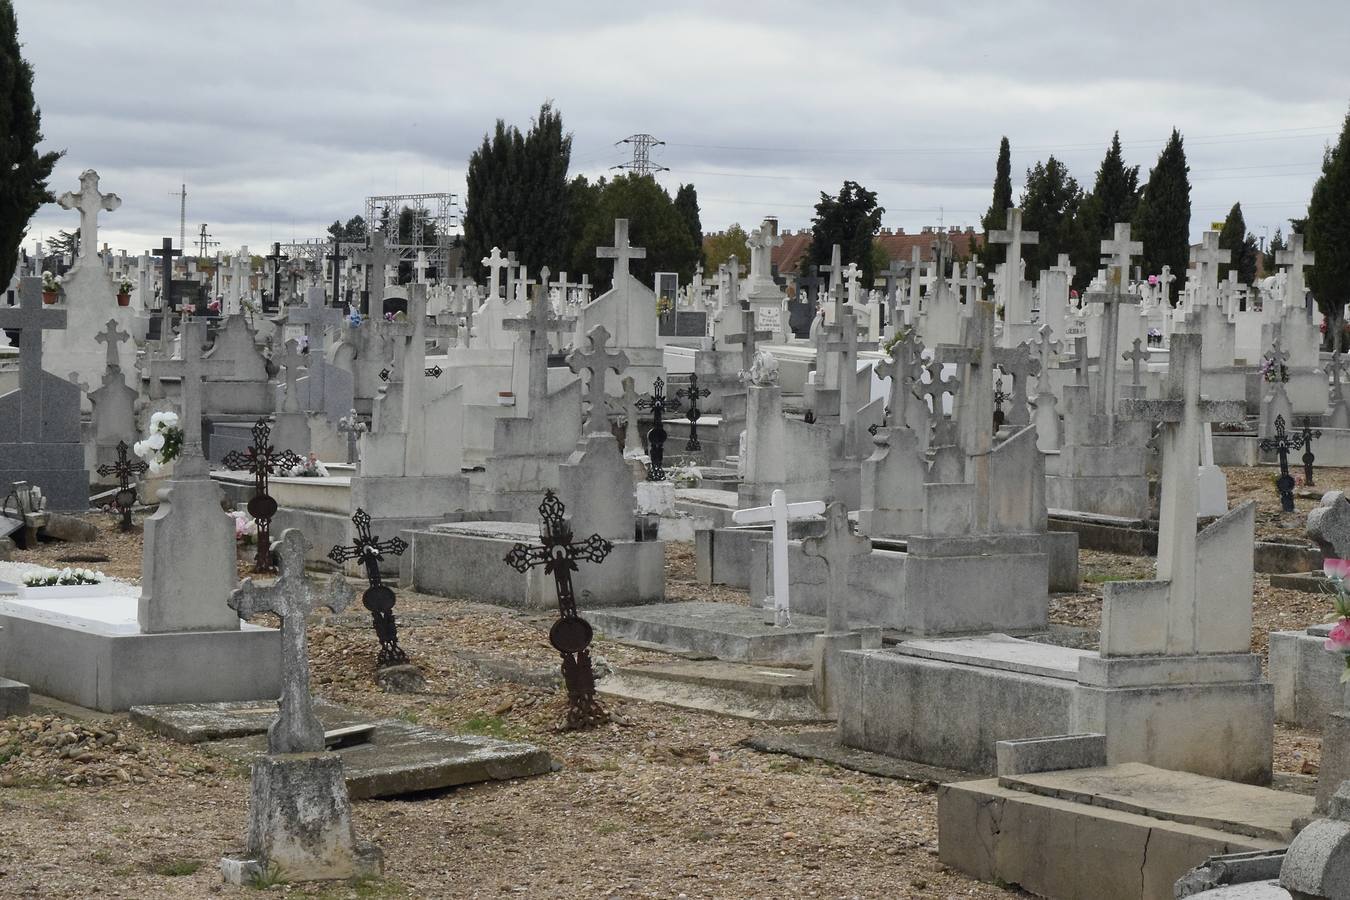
(952, 585)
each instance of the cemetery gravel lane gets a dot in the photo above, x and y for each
(661, 803)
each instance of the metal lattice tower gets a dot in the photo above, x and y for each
(204, 241)
(181, 194)
(641, 163)
(438, 210)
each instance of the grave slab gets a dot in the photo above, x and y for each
(757, 693)
(400, 758)
(723, 630)
(1306, 677)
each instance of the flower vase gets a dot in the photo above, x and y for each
(49, 296)
(61, 591)
(123, 299)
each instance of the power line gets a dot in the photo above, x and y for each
(641, 164)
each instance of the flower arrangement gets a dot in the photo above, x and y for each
(124, 286)
(685, 476)
(1273, 373)
(354, 318)
(1338, 641)
(67, 576)
(245, 528)
(162, 445)
(310, 467)
(664, 306)
(214, 306)
(49, 282)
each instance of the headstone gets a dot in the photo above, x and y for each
(779, 512)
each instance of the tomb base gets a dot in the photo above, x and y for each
(13, 698)
(1306, 677)
(1107, 833)
(753, 692)
(300, 825)
(90, 652)
(58, 469)
(1208, 714)
(467, 561)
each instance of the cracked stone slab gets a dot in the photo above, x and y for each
(825, 747)
(401, 758)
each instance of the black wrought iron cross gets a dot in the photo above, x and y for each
(693, 394)
(999, 397)
(126, 470)
(658, 403)
(1282, 443)
(379, 598)
(571, 634)
(1308, 434)
(261, 460)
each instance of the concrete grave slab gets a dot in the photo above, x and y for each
(757, 693)
(400, 759)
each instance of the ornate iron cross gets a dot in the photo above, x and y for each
(1308, 434)
(379, 597)
(571, 634)
(1282, 443)
(126, 470)
(261, 460)
(999, 397)
(693, 394)
(658, 403)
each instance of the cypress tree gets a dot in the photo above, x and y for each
(1116, 191)
(1050, 206)
(850, 220)
(686, 203)
(1235, 237)
(1327, 232)
(23, 171)
(1162, 219)
(997, 215)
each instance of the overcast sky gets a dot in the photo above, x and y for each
(282, 115)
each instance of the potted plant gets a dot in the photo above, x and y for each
(64, 584)
(50, 287)
(124, 293)
(162, 445)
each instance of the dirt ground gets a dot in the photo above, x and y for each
(660, 803)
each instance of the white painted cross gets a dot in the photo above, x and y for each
(1014, 237)
(89, 201)
(495, 262)
(1296, 258)
(1207, 257)
(622, 251)
(779, 512)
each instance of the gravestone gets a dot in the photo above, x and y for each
(114, 401)
(836, 547)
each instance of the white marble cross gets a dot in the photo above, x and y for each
(622, 252)
(597, 360)
(292, 597)
(293, 361)
(1296, 258)
(1207, 257)
(1014, 237)
(495, 262)
(779, 512)
(89, 201)
(112, 335)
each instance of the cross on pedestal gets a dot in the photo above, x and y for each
(1297, 259)
(191, 368)
(658, 403)
(379, 598)
(933, 390)
(596, 361)
(335, 260)
(570, 635)
(375, 260)
(837, 547)
(89, 201)
(1207, 257)
(847, 348)
(126, 469)
(892, 275)
(260, 460)
(693, 394)
(166, 253)
(495, 263)
(539, 320)
(352, 426)
(622, 252)
(292, 360)
(1120, 251)
(276, 258)
(111, 336)
(1282, 443)
(835, 270)
(904, 368)
(1183, 414)
(1308, 459)
(779, 512)
(31, 318)
(1134, 358)
(1019, 365)
(292, 597)
(1014, 237)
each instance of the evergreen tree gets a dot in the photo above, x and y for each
(719, 247)
(686, 203)
(23, 171)
(1276, 245)
(1236, 238)
(1050, 205)
(518, 193)
(654, 223)
(1327, 232)
(1115, 193)
(1162, 219)
(997, 214)
(849, 219)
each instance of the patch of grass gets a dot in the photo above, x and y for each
(608, 828)
(365, 887)
(785, 764)
(489, 726)
(173, 867)
(408, 715)
(265, 881)
(102, 857)
(853, 794)
(700, 834)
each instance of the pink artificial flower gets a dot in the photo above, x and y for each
(1338, 641)
(1336, 568)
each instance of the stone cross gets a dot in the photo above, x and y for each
(1296, 258)
(904, 368)
(89, 201)
(628, 405)
(622, 252)
(316, 320)
(977, 357)
(779, 512)
(292, 598)
(837, 547)
(1046, 348)
(538, 321)
(915, 285)
(597, 360)
(376, 260)
(836, 272)
(894, 272)
(31, 318)
(1018, 363)
(1182, 413)
(1120, 250)
(191, 368)
(166, 253)
(1134, 358)
(1062, 265)
(111, 336)
(293, 361)
(495, 262)
(761, 242)
(1207, 257)
(335, 259)
(1014, 237)
(847, 348)
(973, 283)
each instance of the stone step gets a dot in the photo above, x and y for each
(757, 693)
